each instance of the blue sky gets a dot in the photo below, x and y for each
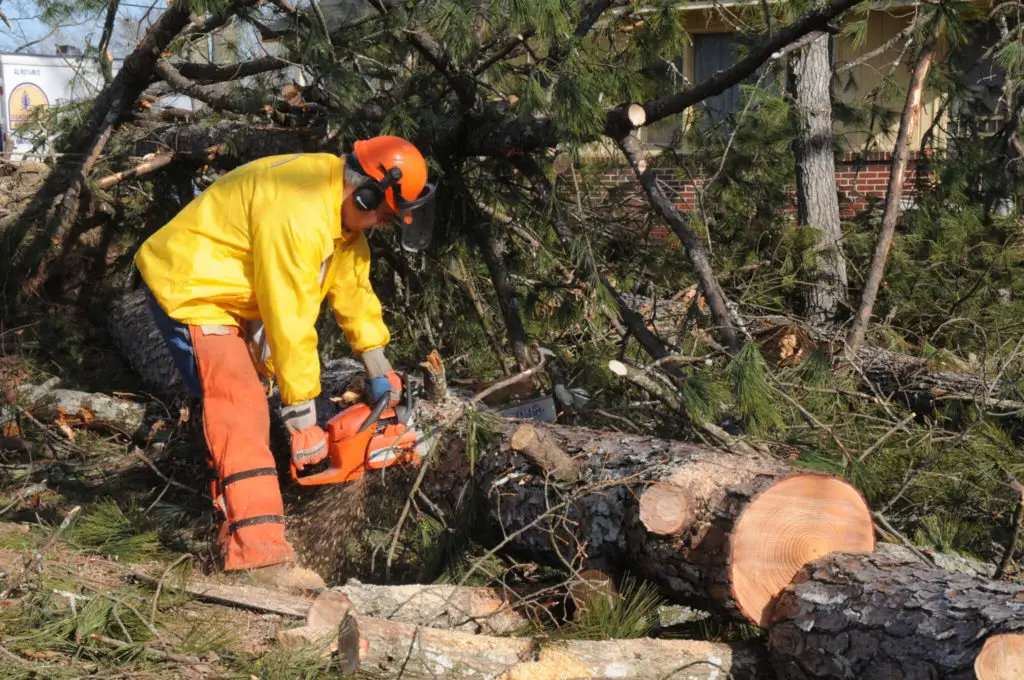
(26, 27)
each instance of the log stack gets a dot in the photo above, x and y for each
(712, 529)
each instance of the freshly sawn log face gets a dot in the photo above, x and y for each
(711, 528)
(874, 616)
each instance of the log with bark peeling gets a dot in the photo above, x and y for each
(375, 647)
(49, 403)
(469, 609)
(874, 616)
(389, 649)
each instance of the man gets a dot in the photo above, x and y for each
(236, 281)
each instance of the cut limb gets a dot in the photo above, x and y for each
(750, 524)
(538, 447)
(875, 616)
(379, 648)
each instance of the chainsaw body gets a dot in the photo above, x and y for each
(360, 439)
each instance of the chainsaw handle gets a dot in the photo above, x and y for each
(378, 408)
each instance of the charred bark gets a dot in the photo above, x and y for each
(871, 616)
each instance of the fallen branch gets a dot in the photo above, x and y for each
(540, 449)
(73, 407)
(467, 608)
(23, 494)
(38, 555)
(155, 654)
(151, 163)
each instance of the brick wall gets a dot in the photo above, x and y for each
(861, 181)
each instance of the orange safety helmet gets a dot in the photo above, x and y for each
(398, 175)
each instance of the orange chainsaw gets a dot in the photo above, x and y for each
(360, 439)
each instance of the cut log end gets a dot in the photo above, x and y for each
(809, 515)
(636, 114)
(1001, 658)
(664, 510)
(617, 367)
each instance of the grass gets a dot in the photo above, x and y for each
(630, 613)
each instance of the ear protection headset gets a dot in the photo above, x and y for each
(371, 194)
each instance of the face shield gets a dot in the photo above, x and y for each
(416, 218)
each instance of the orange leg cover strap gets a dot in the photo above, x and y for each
(236, 423)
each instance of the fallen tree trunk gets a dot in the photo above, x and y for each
(894, 373)
(389, 649)
(48, 403)
(464, 608)
(709, 527)
(874, 616)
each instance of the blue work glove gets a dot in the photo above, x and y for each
(375, 388)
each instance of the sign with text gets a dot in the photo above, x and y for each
(542, 408)
(32, 82)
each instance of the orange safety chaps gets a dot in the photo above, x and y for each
(236, 422)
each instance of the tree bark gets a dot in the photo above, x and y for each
(809, 75)
(742, 525)
(726, 330)
(872, 616)
(894, 191)
(389, 649)
(73, 408)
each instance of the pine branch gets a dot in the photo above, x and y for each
(881, 49)
(634, 322)
(726, 331)
(894, 191)
(205, 74)
(103, 48)
(532, 134)
(439, 59)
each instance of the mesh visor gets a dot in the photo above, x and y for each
(417, 219)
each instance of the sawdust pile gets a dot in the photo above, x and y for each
(324, 530)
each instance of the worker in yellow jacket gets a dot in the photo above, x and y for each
(236, 281)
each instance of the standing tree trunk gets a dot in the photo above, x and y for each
(809, 74)
(908, 121)
(874, 616)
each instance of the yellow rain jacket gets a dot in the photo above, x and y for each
(261, 248)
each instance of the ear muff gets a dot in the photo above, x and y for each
(371, 194)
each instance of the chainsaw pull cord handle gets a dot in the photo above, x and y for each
(378, 408)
